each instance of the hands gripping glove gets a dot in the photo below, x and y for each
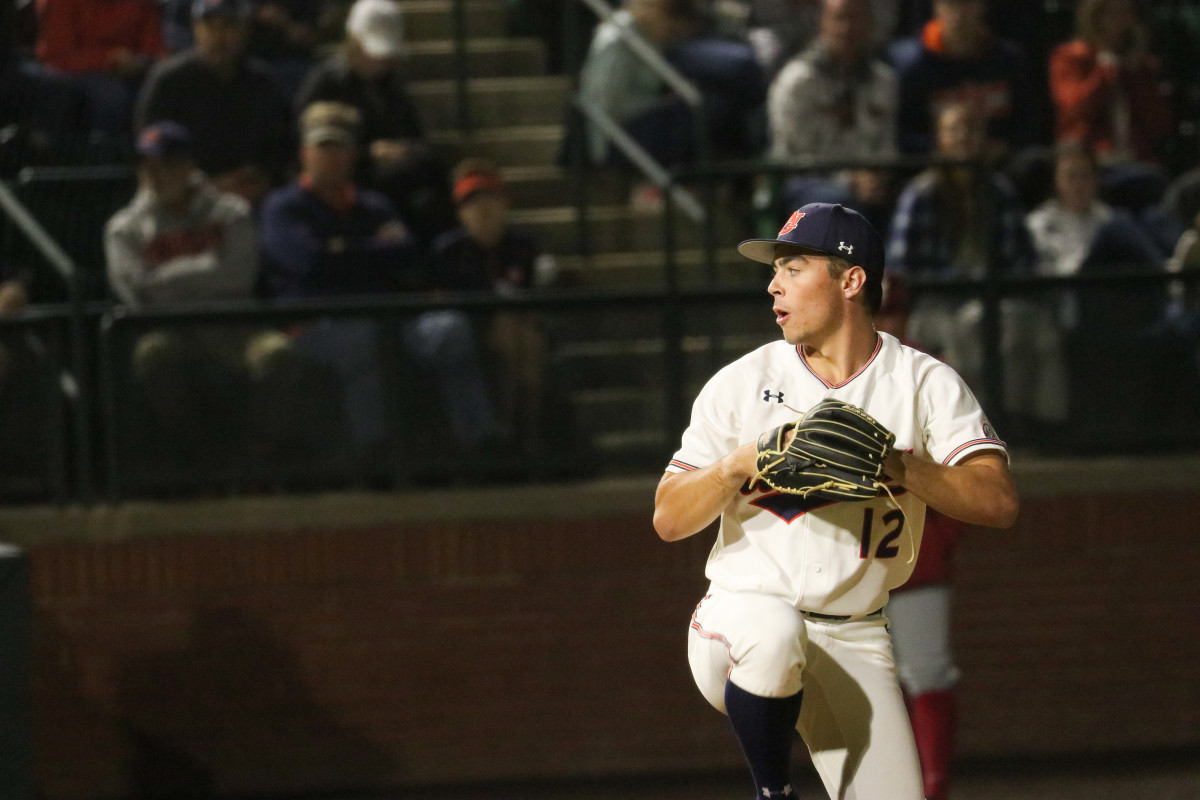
(836, 454)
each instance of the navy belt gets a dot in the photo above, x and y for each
(837, 617)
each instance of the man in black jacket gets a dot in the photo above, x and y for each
(240, 121)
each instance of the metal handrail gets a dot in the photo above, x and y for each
(111, 319)
(612, 130)
(76, 383)
(657, 173)
(647, 53)
(676, 196)
(41, 240)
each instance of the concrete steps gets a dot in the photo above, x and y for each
(610, 363)
(615, 229)
(520, 144)
(426, 20)
(495, 57)
(549, 185)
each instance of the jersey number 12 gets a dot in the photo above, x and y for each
(893, 521)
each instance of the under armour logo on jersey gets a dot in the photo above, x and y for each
(768, 394)
(790, 225)
(787, 791)
(849, 248)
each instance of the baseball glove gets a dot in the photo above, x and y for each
(837, 454)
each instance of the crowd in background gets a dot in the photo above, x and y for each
(280, 156)
(1075, 150)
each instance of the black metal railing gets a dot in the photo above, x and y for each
(76, 379)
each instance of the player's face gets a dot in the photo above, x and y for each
(808, 300)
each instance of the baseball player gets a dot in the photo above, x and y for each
(791, 634)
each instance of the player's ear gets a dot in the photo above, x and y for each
(854, 282)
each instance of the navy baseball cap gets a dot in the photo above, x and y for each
(234, 9)
(164, 140)
(826, 229)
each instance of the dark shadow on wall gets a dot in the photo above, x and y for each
(232, 714)
(72, 734)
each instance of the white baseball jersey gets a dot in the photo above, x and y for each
(831, 558)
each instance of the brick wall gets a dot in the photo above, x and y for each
(241, 653)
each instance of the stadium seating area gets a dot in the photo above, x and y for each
(626, 350)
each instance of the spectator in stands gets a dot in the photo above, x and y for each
(240, 121)
(1108, 93)
(1129, 353)
(1074, 227)
(181, 241)
(1108, 88)
(282, 34)
(485, 254)
(965, 222)
(957, 58)
(780, 29)
(105, 47)
(324, 236)
(1074, 231)
(836, 101)
(616, 80)
(398, 161)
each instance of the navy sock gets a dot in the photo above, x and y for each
(765, 727)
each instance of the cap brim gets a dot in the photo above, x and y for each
(763, 250)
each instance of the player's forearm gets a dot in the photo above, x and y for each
(980, 492)
(686, 502)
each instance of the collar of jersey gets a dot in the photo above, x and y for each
(828, 385)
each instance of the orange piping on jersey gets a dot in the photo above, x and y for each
(973, 443)
(828, 385)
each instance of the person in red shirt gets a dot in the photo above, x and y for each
(1107, 87)
(104, 48)
(1108, 94)
(919, 614)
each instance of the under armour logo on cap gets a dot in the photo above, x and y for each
(849, 248)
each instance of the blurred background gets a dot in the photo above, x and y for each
(342, 345)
